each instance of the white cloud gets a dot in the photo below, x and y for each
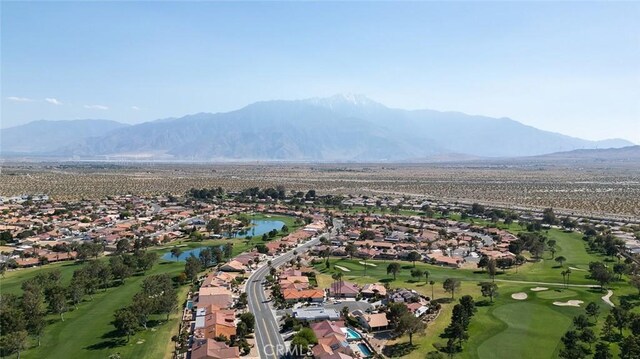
(53, 101)
(19, 99)
(96, 107)
(135, 108)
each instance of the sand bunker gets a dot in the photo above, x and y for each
(569, 303)
(519, 296)
(368, 264)
(607, 298)
(539, 289)
(343, 269)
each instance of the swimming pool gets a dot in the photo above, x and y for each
(352, 334)
(364, 349)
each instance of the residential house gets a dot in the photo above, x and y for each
(372, 322)
(218, 323)
(331, 339)
(233, 266)
(211, 349)
(218, 296)
(292, 295)
(315, 314)
(372, 289)
(343, 289)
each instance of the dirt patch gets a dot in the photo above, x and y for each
(539, 289)
(569, 303)
(519, 296)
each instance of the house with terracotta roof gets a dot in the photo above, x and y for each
(218, 296)
(275, 247)
(218, 323)
(294, 282)
(233, 266)
(439, 259)
(372, 322)
(293, 295)
(219, 279)
(343, 289)
(211, 349)
(331, 339)
(372, 289)
(27, 262)
(247, 258)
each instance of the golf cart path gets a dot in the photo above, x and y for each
(607, 298)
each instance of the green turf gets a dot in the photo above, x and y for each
(87, 331)
(569, 245)
(532, 331)
(555, 294)
(509, 328)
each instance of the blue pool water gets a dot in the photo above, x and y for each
(352, 334)
(365, 350)
(258, 228)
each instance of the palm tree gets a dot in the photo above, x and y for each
(337, 277)
(426, 276)
(564, 277)
(364, 259)
(432, 283)
(568, 274)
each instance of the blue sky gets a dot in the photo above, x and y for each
(570, 67)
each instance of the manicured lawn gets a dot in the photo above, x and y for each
(532, 331)
(508, 328)
(87, 331)
(12, 281)
(569, 245)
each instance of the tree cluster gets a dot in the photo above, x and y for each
(206, 194)
(403, 321)
(157, 296)
(457, 331)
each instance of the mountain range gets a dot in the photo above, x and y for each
(338, 128)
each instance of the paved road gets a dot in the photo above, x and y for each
(268, 339)
(267, 330)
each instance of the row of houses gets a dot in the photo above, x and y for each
(213, 316)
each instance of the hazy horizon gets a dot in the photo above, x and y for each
(571, 68)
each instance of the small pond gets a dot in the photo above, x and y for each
(258, 228)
